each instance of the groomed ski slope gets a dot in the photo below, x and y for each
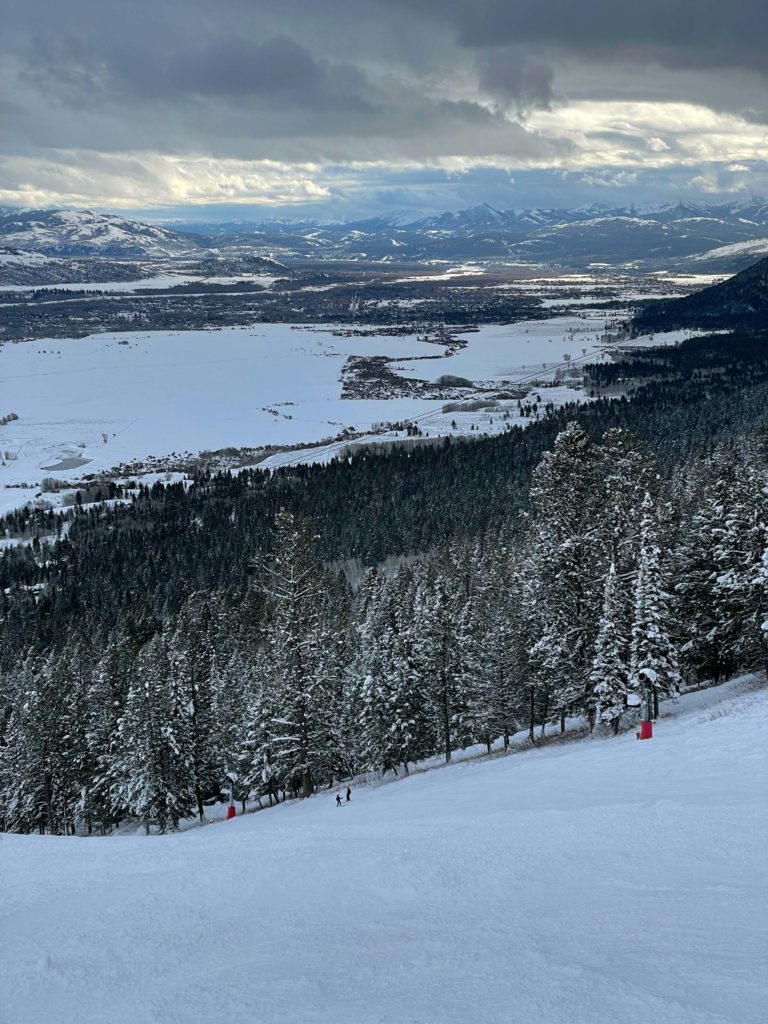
(590, 881)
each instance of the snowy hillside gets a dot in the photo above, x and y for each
(83, 233)
(755, 247)
(20, 270)
(601, 881)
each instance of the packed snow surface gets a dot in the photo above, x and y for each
(596, 881)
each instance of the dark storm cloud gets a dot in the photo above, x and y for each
(226, 66)
(238, 62)
(375, 81)
(249, 81)
(514, 78)
(693, 33)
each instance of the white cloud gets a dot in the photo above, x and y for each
(183, 101)
(619, 180)
(84, 178)
(712, 184)
(622, 134)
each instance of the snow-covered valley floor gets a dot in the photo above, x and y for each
(87, 405)
(597, 881)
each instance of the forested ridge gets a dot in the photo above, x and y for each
(740, 301)
(198, 633)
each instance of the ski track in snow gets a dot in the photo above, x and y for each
(602, 881)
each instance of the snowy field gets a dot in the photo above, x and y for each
(515, 351)
(164, 392)
(86, 405)
(596, 881)
(160, 282)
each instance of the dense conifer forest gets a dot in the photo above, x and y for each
(739, 302)
(277, 632)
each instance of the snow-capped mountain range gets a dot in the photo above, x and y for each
(617, 236)
(724, 236)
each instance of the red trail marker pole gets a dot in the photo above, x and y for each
(231, 812)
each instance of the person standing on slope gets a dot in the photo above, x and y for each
(349, 794)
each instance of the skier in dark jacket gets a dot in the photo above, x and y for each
(349, 794)
(338, 799)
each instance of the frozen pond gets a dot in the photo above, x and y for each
(64, 464)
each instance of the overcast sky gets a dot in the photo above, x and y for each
(331, 107)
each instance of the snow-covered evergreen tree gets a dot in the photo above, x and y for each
(295, 585)
(393, 712)
(43, 754)
(231, 686)
(191, 654)
(704, 647)
(153, 775)
(610, 673)
(718, 566)
(257, 769)
(761, 581)
(565, 569)
(739, 553)
(25, 785)
(440, 658)
(654, 668)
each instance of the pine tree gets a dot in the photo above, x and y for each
(257, 770)
(43, 757)
(153, 772)
(761, 582)
(565, 569)
(295, 584)
(610, 675)
(231, 687)
(393, 717)
(653, 659)
(718, 565)
(25, 788)
(368, 669)
(738, 585)
(108, 690)
(191, 655)
(705, 647)
(439, 653)
(627, 473)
